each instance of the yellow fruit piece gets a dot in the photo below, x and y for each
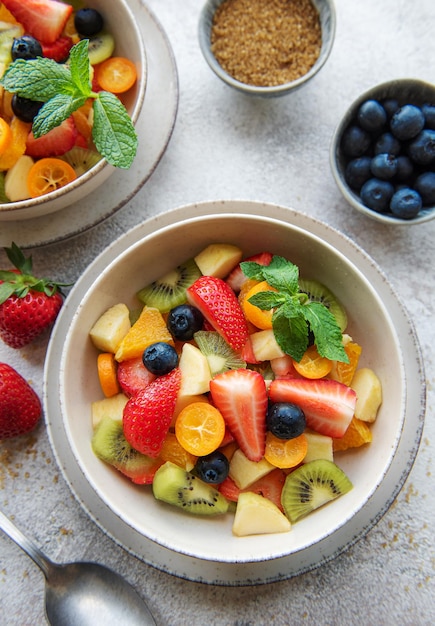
(344, 372)
(368, 389)
(357, 434)
(17, 146)
(110, 328)
(173, 451)
(312, 365)
(256, 515)
(149, 328)
(285, 453)
(260, 318)
(245, 472)
(200, 428)
(218, 259)
(112, 407)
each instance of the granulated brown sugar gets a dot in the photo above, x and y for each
(266, 42)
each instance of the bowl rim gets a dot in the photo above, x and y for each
(30, 203)
(381, 89)
(210, 7)
(243, 569)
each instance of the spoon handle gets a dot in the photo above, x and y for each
(26, 544)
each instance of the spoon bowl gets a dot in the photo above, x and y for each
(81, 594)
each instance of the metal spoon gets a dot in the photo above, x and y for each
(83, 593)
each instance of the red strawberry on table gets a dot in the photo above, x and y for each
(43, 19)
(220, 307)
(20, 407)
(148, 414)
(54, 143)
(28, 305)
(240, 395)
(328, 405)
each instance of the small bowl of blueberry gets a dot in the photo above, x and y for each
(383, 152)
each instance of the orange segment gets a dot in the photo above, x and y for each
(173, 451)
(285, 453)
(116, 74)
(344, 372)
(17, 147)
(357, 434)
(149, 328)
(49, 174)
(5, 135)
(200, 428)
(106, 366)
(261, 319)
(312, 365)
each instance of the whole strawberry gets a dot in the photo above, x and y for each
(20, 407)
(28, 305)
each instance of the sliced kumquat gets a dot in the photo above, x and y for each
(116, 74)
(357, 434)
(5, 135)
(312, 365)
(149, 328)
(200, 428)
(173, 451)
(49, 174)
(17, 146)
(261, 319)
(106, 367)
(285, 453)
(344, 372)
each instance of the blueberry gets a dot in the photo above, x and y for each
(406, 203)
(160, 358)
(391, 105)
(407, 122)
(405, 168)
(371, 116)
(376, 194)
(422, 148)
(383, 166)
(88, 22)
(357, 172)
(212, 468)
(355, 141)
(26, 47)
(429, 115)
(285, 420)
(26, 110)
(387, 143)
(425, 186)
(183, 321)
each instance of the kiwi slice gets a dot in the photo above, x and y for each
(81, 159)
(101, 47)
(220, 356)
(319, 293)
(312, 485)
(169, 291)
(110, 445)
(174, 485)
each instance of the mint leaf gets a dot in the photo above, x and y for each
(54, 112)
(252, 270)
(79, 67)
(37, 79)
(291, 334)
(113, 131)
(266, 300)
(327, 334)
(282, 275)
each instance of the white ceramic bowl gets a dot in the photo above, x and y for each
(405, 91)
(205, 549)
(326, 10)
(120, 21)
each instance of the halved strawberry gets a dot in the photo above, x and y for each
(270, 487)
(58, 50)
(236, 277)
(43, 19)
(328, 405)
(220, 307)
(148, 414)
(241, 397)
(54, 143)
(133, 376)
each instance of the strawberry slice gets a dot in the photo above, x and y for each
(241, 397)
(328, 405)
(43, 19)
(270, 487)
(148, 414)
(133, 376)
(54, 143)
(236, 277)
(58, 50)
(220, 307)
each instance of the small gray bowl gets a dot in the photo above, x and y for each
(327, 15)
(405, 91)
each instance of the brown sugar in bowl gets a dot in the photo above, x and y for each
(266, 47)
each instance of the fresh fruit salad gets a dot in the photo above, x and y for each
(233, 386)
(60, 97)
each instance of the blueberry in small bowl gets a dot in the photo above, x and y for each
(382, 152)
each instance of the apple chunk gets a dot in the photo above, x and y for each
(256, 515)
(218, 259)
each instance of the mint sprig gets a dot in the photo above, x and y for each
(65, 88)
(294, 314)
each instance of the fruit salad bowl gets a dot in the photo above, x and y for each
(202, 547)
(90, 169)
